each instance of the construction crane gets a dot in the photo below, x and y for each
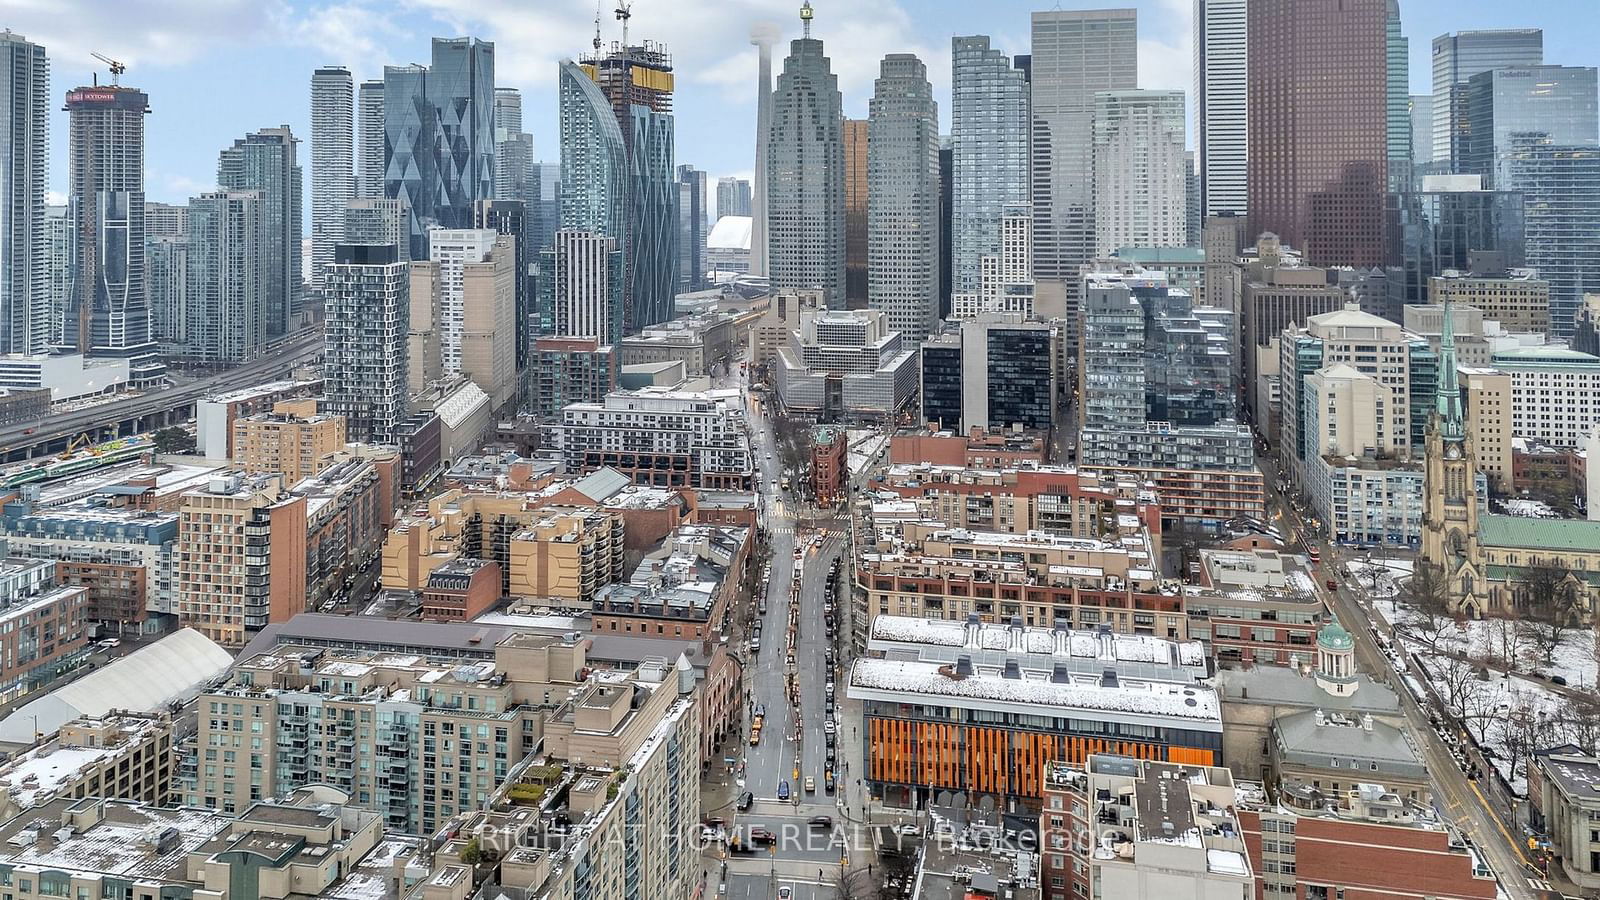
(117, 68)
(624, 13)
(597, 26)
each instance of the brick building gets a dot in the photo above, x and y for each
(830, 466)
(461, 589)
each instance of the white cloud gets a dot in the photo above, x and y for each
(356, 33)
(55, 198)
(174, 184)
(140, 33)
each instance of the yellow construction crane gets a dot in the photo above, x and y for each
(74, 444)
(117, 68)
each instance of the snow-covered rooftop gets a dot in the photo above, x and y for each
(1195, 704)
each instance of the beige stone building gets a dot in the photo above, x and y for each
(424, 365)
(1518, 299)
(1488, 400)
(119, 756)
(489, 322)
(292, 441)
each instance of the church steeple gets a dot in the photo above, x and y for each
(1448, 401)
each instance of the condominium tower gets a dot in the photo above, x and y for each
(1140, 199)
(805, 175)
(265, 162)
(25, 314)
(367, 290)
(369, 152)
(989, 138)
(108, 313)
(332, 161)
(903, 198)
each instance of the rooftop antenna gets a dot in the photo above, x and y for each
(805, 18)
(596, 26)
(624, 13)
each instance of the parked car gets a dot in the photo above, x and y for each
(1559, 679)
(827, 783)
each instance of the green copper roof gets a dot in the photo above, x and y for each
(1538, 534)
(1334, 637)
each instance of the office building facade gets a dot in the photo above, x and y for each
(1456, 58)
(804, 201)
(1318, 150)
(439, 136)
(1397, 75)
(513, 148)
(581, 287)
(1076, 54)
(989, 125)
(1560, 187)
(368, 301)
(369, 220)
(1512, 106)
(691, 229)
(265, 162)
(1439, 225)
(1221, 104)
(1001, 375)
(333, 177)
(903, 198)
(857, 141)
(1140, 194)
(25, 313)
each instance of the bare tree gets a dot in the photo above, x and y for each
(1549, 605)
(1523, 728)
(1580, 719)
(1457, 684)
(1427, 595)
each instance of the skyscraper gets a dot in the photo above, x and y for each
(266, 162)
(544, 206)
(691, 228)
(763, 36)
(989, 153)
(25, 315)
(1560, 187)
(109, 312)
(582, 296)
(1422, 135)
(439, 136)
(593, 158)
(367, 287)
(229, 269)
(1514, 104)
(855, 212)
(375, 220)
(1397, 71)
(903, 198)
(510, 217)
(452, 250)
(733, 197)
(1140, 199)
(1222, 103)
(59, 244)
(1456, 58)
(166, 250)
(805, 175)
(1319, 101)
(637, 82)
(1076, 53)
(369, 154)
(332, 161)
(513, 148)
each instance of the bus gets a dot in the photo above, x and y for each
(1311, 551)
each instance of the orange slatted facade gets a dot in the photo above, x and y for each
(991, 760)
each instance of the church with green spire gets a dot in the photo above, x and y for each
(1485, 558)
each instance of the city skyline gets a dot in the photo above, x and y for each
(188, 127)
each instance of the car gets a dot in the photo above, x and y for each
(785, 893)
(755, 645)
(829, 727)
(1559, 679)
(831, 752)
(829, 688)
(811, 784)
(762, 606)
(710, 835)
(108, 643)
(820, 821)
(761, 709)
(783, 790)
(746, 800)
(828, 783)
(715, 822)
(762, 836)
(907, 830)
(831, 738)
(828, 707)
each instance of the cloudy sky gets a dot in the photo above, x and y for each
(217, 69)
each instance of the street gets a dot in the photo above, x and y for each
(1459, 799)
(794, 743)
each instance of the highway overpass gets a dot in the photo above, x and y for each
(152, 409)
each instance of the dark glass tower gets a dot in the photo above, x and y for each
(266, 162)
(439, 136)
